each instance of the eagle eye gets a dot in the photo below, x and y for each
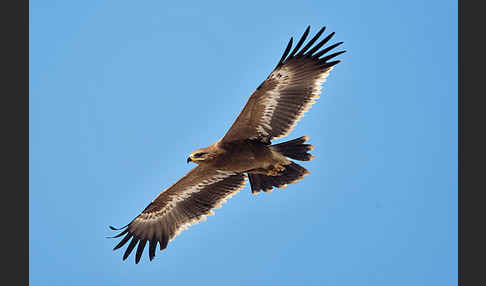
(199, 155)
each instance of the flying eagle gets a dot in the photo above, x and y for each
(270, 113)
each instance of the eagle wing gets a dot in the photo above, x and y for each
(185, 203)
(281, 100)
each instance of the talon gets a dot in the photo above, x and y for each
(272, 173)
(279, 168)
(275, 170)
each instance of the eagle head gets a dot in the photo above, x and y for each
(199, 155)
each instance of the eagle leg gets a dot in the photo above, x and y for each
(275, 170)
(261, 171)
(263, 182)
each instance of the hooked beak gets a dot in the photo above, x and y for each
(189, 159)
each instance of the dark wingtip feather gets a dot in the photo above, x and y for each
(164, 241)
(114, 228)
(326, 58)
(123, 241)
(301, 41)
(323, 51)
(152, 247)
(140, 248)
(314, 52)
(320, 44)
(330, 64)
(130, 247)
(286, 52)
(118, 235)
(311, 42)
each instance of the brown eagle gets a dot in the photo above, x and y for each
(270, 113)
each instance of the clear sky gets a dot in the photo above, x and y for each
(122, 91)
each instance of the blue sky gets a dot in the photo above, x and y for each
(121, 92)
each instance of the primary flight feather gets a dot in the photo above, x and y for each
(271, 112)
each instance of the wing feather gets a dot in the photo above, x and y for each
(280, 101)
(287, 50)
(312, 41)
(301, 41)
(185, 203)
(320, 44)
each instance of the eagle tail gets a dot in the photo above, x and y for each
(295, 149)
(292, 173)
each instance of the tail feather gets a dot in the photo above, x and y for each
(295, 149)
(292, 173)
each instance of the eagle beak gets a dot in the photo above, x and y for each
(189, 159)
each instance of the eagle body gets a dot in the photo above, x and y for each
(244, 156)
(245, 150)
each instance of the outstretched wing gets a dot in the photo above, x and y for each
(185, 203)
(288, 92)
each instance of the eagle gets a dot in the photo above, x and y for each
(246, 150)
